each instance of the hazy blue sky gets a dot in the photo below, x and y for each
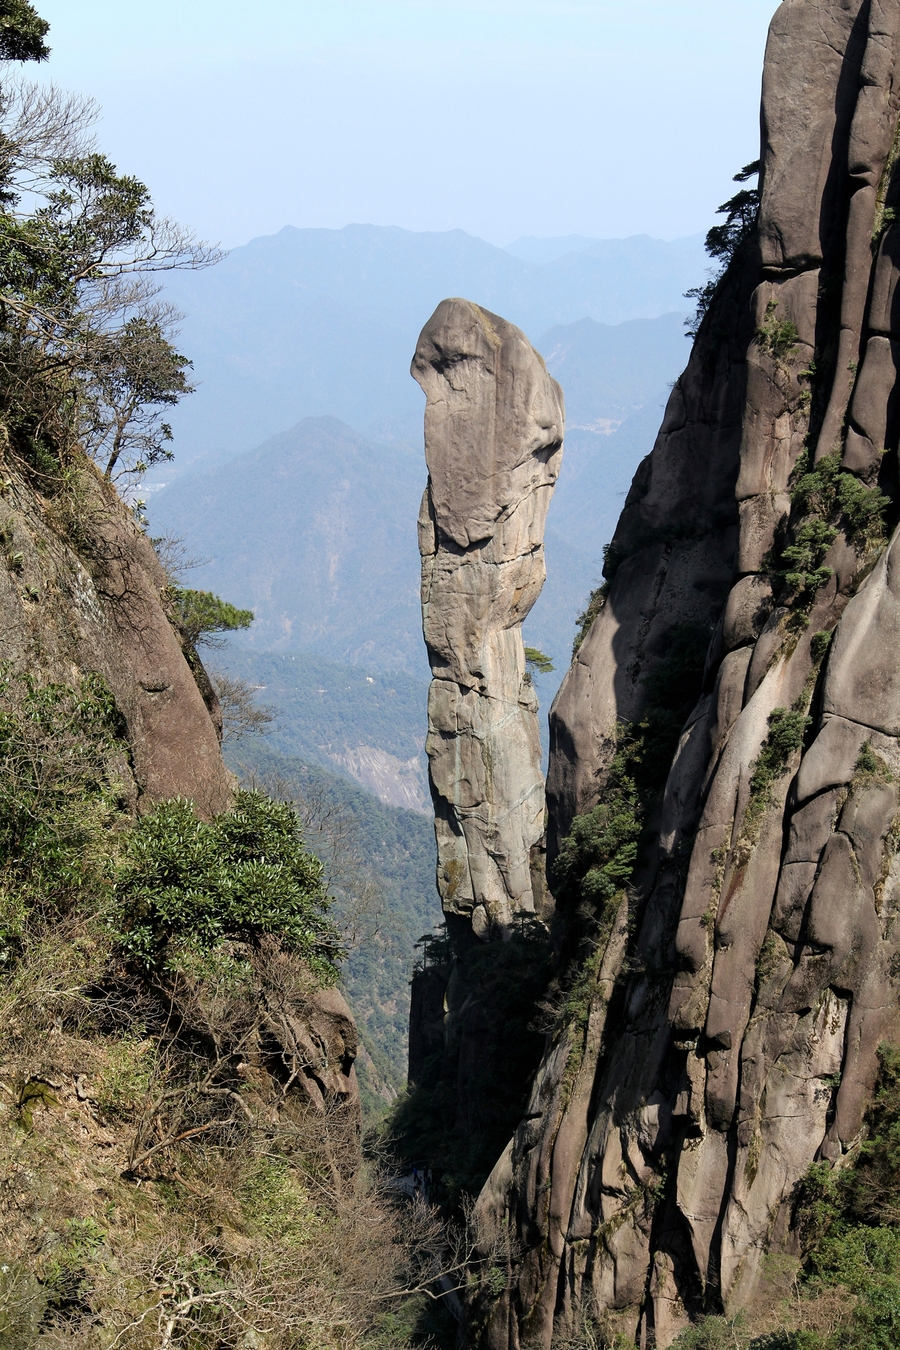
(503, 117)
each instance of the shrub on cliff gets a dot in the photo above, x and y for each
(166, 882)
(202, 616)
(60, 803)
(190, 884)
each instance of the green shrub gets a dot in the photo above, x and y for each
(596, 601)
(777, 337)
(537, 662)
(827, 491)
(597, 856)
(724, 241)
(189, 884)
(826, 498)
(787, 728)
(802, 569)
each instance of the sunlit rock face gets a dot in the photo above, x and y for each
(493, 445)
(741, 991)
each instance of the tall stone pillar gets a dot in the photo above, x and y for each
(494, 424)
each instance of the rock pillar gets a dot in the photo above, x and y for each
(493, 443)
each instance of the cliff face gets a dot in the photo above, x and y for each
(81, 590)
(738, 989)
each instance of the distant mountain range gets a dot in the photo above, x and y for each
(307, 323)
(314, 527)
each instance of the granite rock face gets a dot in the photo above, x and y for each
(493, 445)
(743, 985)
(85, 592)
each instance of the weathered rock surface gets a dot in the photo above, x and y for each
(82, 590)
(744, 986)
(493, 445)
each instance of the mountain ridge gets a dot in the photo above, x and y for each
(309, 322)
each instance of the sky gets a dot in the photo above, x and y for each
(500, 117)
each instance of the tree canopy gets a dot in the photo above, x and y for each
(22, 32)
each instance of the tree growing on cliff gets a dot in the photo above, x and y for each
(86, 350)
(203, 616)
(722, 241)
(537, 662)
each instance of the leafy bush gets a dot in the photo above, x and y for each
(596, 601)
(597, 856)
(537, 661)
(787, 728)
(830, 492)
(826, 498)
(802, 569)
(189, 884)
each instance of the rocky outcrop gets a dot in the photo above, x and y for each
(493, 444)
(740, 987)
(82, 591)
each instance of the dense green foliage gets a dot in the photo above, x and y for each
(59, 800)
(22, 32)
(190, 884)
(598, 856)
(787, 728)
(201, 615)
(537, 662)
(168, 883)
(777, 337)
(825, 498)
(87, 361)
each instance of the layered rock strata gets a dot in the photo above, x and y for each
(493, 445)
(741, 990)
